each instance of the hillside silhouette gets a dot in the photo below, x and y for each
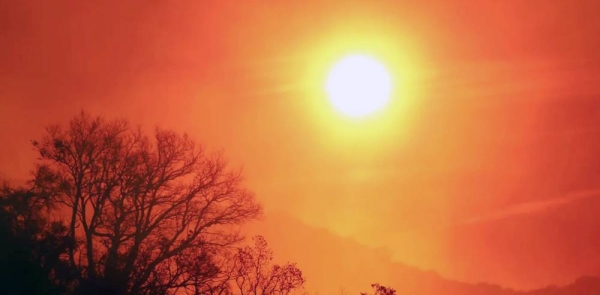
(333, 263)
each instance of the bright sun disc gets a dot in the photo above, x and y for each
(358, 85)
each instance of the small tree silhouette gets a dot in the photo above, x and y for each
(252, 272)
(381, 290)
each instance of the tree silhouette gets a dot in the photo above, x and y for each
(381, 290)
(145, 215)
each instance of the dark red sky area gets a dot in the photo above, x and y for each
(489, 171)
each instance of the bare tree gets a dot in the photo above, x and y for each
(147, 215)
(253, 274)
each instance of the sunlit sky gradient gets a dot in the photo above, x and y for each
(484, 165)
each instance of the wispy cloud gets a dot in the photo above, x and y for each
(533, 207)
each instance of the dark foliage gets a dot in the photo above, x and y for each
(31, 246)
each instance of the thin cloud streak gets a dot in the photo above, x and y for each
(533, 207)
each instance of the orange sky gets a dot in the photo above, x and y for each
(485, 164)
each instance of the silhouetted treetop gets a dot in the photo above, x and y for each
(146, 214)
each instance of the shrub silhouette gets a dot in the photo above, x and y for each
(381, 290)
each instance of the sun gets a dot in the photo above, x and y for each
(358, 85)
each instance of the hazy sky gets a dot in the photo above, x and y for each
(485, 164)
